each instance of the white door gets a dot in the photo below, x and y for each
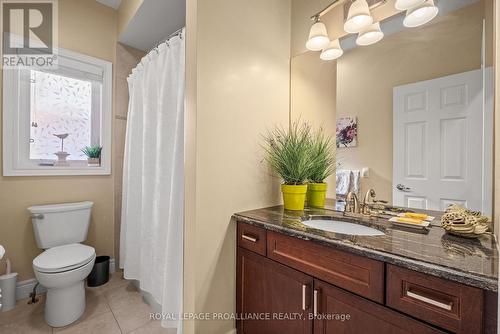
(438, 143)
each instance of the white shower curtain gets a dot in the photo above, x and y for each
(151, 240)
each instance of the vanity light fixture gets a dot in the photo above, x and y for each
(318, 36)
(407, 4)
(421, 14)
(370, 35)
(332, 51)
(358, 18)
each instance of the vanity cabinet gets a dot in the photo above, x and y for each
(297, 286)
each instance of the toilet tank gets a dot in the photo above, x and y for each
(60, 224)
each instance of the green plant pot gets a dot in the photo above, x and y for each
(294, 196)
(316, 195)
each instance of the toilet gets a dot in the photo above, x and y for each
(65, 263)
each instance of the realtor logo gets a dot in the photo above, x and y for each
(29, 33)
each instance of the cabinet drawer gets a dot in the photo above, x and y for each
(252, 238)
(450, 305)
(360, 275)
(364, 316)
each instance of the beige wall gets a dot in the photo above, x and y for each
(242, 88)
(90, 28)
(313, 96)
(126, 12)
(126, 59)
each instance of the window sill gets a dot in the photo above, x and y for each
(58, 171)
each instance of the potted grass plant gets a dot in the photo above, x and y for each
(93, 154)
(288, 154)
(323, 165)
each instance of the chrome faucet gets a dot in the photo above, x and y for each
(351, 203)
(365, 206)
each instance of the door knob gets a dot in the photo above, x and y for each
(402, 187)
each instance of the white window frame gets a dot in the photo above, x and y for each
(15, 126)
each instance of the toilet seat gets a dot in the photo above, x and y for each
(63, 258)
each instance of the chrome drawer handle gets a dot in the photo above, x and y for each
(315, 308)
(304, 287)
(429, 300)
(249, 238)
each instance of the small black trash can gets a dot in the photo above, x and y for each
(100, 272)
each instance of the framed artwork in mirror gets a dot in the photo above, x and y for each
(347, 132)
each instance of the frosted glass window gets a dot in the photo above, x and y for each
(41, 105)
(59, 105)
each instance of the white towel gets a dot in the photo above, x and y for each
(355, 185)
(343, 182)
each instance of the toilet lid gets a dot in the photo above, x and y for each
(63, 258)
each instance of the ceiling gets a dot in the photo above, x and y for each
(111, 3)
(154, 21)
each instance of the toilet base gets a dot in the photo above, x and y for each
(64, 306)
(65, 301)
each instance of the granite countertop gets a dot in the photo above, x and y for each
(470, 261)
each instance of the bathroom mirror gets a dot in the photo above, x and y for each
(413, 111)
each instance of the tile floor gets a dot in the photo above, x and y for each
(113, 308)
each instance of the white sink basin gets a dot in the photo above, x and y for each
(341, 227)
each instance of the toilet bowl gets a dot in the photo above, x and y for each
(65, 263)
(62, 270)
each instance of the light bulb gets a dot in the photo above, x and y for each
(420, 14)
(318, 37)
(358, 17)
(332, 51)
(370, 35)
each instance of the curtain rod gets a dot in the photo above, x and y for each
(178, 32)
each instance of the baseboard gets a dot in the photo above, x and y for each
(112, 267)
(24, 288)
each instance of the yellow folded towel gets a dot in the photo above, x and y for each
(409, 220)
(420, 216)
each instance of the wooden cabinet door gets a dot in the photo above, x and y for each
(341, 312)
(271, 298)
